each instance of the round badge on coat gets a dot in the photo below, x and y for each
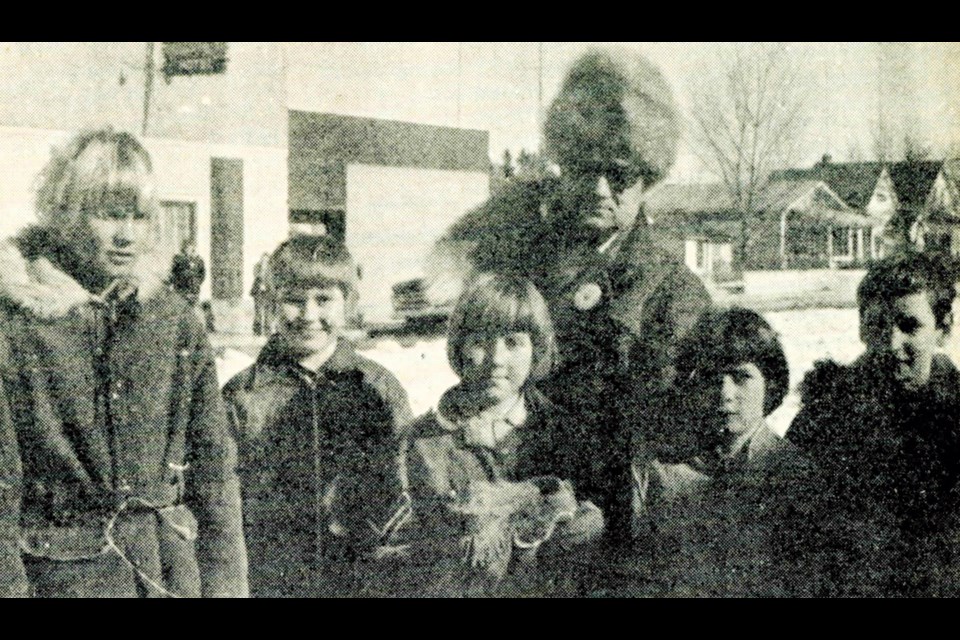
(587, 296)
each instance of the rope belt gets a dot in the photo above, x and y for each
(129, 505)
(112, 545)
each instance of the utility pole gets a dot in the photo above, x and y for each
(459, 79)
(540, 94)
(147, 86)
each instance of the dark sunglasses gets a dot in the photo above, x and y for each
(621, 174)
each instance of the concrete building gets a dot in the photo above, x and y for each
(236, 170)
(389, 189)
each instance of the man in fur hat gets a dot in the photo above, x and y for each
(619, 304)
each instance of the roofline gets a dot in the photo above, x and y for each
(328, 114)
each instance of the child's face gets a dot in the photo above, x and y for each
(735, 398)
(121, 237)
(903, 336)
(496, 365)
(312, 318)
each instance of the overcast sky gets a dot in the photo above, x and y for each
(494, 86)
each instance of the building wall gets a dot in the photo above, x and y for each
(183, 174)
(76, 85)
(322, 145)
(394, 215)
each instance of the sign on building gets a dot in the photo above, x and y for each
(194, 58)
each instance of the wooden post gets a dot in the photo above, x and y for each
(830, 246)
(147, 86)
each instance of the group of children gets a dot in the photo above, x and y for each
(344, 493)
(125, 471)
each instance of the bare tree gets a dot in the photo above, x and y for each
(746, 119)
(881, 137)
(915, 149)
(854, 152)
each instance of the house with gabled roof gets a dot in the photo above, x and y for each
(938, 228)
(892, 194)
(797, 224)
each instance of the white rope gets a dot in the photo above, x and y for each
(111, 544)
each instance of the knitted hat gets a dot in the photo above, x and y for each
(614, 105)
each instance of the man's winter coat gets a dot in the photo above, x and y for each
(321, 465)
(117, 469)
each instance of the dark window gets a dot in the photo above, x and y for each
(178, 222)
(226, 228)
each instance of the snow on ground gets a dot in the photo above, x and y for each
(421, 363)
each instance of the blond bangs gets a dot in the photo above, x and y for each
(97, 171)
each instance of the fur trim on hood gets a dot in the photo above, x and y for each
(33, 276)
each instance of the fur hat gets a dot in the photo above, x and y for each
(614, 104)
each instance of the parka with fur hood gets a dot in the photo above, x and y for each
(117, 472)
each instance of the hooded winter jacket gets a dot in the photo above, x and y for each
(117, 469)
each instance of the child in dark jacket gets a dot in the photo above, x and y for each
(486, 467)
(719, 504)
(320, 432)
(884, 433)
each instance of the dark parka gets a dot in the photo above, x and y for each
(722, 528)
(619, 311)
(321, 466)
(888, 465)
(117, 470)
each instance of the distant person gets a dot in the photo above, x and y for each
(716, 514)
(262, 295)
(885, 433)
(619, 304)
(490, 456)
(117, 473)
(188, 273)
(320, 432)
(187, 276)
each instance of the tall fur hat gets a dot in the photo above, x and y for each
(614, 104)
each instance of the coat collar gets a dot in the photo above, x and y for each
(33, 277)
(755, 450)
(275, 360)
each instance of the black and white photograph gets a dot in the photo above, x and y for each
(479, 319)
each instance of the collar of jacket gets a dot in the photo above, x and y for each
(446, 415)
(451, 417)
(275, 361)
(760, 443)
(40, 285)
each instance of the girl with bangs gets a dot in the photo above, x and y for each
(721, 504)
(116, 472)
(488, 468)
